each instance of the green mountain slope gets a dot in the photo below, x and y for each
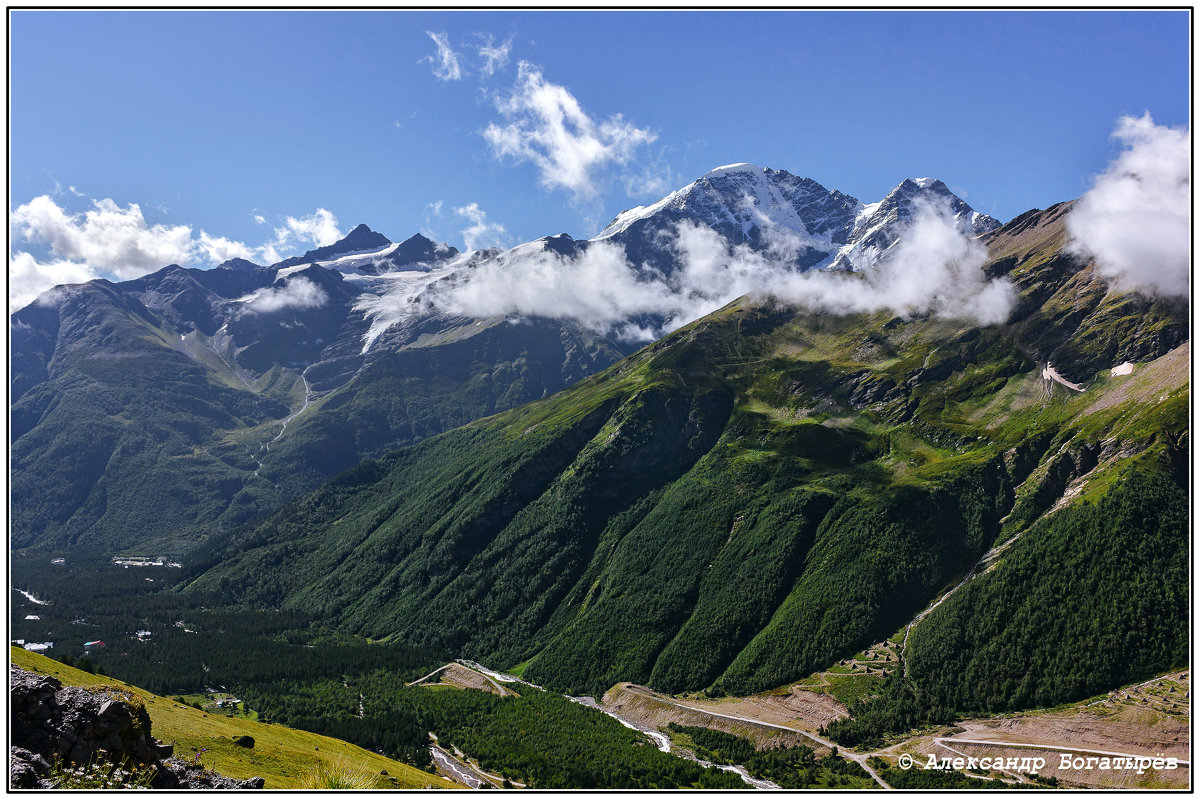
(751, 498)
(150, 414)
(1113, 573)
(128, 436)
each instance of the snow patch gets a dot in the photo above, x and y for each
(730, 168)
(1051, 374)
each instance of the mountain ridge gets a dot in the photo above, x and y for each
(751, 204)
(274, 379)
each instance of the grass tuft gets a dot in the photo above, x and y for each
(338, 775)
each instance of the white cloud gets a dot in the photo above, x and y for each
(27, 278)
(218, 249)
(320, 228)
(481, 233)
(599, 289)
(108, 238)
(1136, 220)
(259, 219)
(935, 269)
(294, 293)
(446, 65)
(268, 254)
(547, 126)
(108, 241)
(495, 56)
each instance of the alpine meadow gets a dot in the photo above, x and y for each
(753, 484)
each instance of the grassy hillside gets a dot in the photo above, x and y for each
(285, 758)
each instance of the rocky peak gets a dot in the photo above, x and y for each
(563, 244)
(361, 239)
(238, 265)
(421, 249)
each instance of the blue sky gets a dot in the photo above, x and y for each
(232, 122)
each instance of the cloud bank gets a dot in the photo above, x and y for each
(319, 228)
(934, 269)
(107, 237)
(28, 277)
(294, 293)
(546, 126)
(110, 241)
(1136, 220)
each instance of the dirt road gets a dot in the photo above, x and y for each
(858, 758)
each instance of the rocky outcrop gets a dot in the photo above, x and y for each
(71, 725)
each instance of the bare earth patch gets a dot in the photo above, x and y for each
(799, 709)
(1139, 721)
(1150, 383)
(463, 678)
(1150, 719)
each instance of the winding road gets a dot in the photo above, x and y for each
(858, 758)
(661, 740)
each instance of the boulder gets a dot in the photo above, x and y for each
(51, 723)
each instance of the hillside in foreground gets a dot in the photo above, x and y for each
(285, 758)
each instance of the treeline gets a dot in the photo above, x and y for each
(221, 653)
(290, 669)
(895, 709)
(876, 559)
(331, 706)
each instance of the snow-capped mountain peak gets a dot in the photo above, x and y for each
(771, 211)
(878, 226)
(747, 204)
(741, 166)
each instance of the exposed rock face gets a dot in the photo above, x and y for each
(74, 725)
